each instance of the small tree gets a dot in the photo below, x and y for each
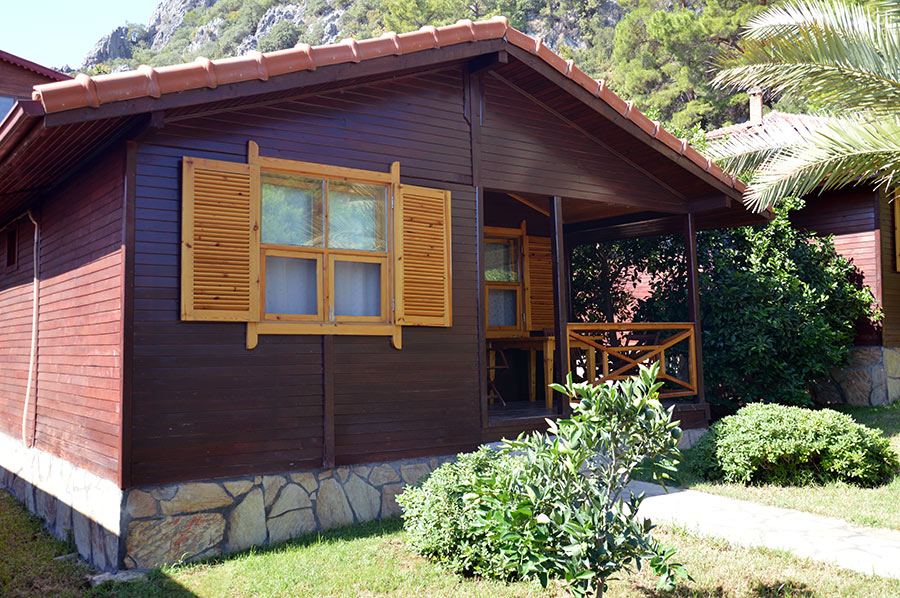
(564, 510)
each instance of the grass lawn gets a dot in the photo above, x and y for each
(876, 507)
(371, 560)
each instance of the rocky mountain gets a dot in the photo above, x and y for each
(657, 53)
(180, 30)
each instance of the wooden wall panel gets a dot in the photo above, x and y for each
(890, 278)
(434, 407)
(18, 82)
(203, 405)
(78, 381)
(528, 149)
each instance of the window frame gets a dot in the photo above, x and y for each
(516, 238)
(325, 320)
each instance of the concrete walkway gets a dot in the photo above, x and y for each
(863, 549)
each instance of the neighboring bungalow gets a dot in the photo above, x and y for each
(863, 221)
(17, 78)
(253, 297)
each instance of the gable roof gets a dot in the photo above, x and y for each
(149, 82)
(33, 67)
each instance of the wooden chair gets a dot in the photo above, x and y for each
(492, 369)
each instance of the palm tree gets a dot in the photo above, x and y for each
(843, 58)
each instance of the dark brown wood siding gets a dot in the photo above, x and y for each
(851, 216)
(890, 277)
(529, 148)
(203, 405)
(79, 357)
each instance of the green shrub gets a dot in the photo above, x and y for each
(793, 446)
(555, 505)
(439, 523)
(284, 34)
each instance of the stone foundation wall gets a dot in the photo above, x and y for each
(199, 519)
(74, 503)
(196, 520)
(871, 378)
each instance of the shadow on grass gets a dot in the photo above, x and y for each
(160, 583)
(781, 589)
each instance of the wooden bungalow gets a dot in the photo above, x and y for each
(253, 297)
(864, 224)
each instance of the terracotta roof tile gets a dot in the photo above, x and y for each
(84, 91)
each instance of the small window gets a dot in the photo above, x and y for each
(12, 246)
(6, 104)
(503, 283)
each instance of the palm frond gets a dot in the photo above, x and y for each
(827, 53)
(842, 152)
(793, 16)
(750, 150)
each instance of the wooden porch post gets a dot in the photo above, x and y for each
(560, 302)
(690, 250)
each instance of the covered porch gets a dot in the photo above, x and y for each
(526, 275)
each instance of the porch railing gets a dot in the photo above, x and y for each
(613, 351)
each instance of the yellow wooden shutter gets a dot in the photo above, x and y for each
(422, 257)
(220, 241)
(539, 283)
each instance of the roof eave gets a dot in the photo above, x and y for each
(17, 124)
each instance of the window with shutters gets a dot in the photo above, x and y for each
(301, 248)
(518, 281)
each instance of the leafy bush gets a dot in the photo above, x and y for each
(555, 505)
(793, 446)
(440, 524)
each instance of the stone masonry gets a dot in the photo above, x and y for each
(871, 378)
(146, 527)
(196, 520)
(74, 503)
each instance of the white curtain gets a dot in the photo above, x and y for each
(357, 289)
(291, 285)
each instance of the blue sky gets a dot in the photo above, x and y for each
(55, 33)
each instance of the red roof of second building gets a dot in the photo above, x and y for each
(33, 67)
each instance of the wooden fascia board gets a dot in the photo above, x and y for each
(622, 122)
(630, 230)
(710, 202)
(604, 223)
(18, 124)
(386, 66)
(488, 61)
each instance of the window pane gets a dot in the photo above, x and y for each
(502, 307)
(6, 103)
(357, 289)
(291, 210)
(356, 216)
(291, 286)
(500, 263)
